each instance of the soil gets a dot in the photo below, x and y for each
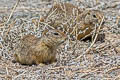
(102, 62)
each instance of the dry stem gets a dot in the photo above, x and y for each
(13, 11)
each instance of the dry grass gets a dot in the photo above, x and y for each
(102, 61)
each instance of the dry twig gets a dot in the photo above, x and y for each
(118, 18)
(7, 71)
(19, 75)
(13, 11)
(113, 68)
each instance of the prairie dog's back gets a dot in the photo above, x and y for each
(72, 20)
(64, 8)
(29, 39)
(60, 13)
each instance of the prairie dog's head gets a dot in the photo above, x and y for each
(56, 36)
(93, 16)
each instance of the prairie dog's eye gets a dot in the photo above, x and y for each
(94, 16)
(55, 33)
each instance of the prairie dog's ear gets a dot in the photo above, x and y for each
(42, 19)
(45, 32)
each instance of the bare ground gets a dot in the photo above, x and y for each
(101, 63)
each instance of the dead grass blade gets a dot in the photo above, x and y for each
(13, 11)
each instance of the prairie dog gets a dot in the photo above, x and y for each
(73, 20)
(33, 50)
